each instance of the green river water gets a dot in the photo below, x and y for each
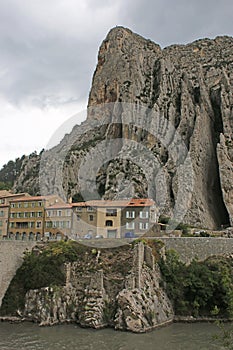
(178, 336)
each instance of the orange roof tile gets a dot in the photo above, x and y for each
(7, 194)
(4, 193)
(116, 203)
(33, 198)
(59, 206)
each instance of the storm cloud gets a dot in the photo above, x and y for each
(48, 51)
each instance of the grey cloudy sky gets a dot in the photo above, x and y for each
(48, 52)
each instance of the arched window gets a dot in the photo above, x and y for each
(31, 236)
(24, 236)
(109, 223)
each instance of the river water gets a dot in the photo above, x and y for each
(178, 336)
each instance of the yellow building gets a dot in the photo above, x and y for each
(27, 216)
(97, 218)
(5, 197)
(109, 219)
(114, 219)
(84, 219)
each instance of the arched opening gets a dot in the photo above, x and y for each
(38, 236)
(58, 236)
(24, 236)
(109, 223)
(31, 236)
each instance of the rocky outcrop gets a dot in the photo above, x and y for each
(133, 302)
(175, 107)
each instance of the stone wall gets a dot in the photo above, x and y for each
(11, 253)
(11, 257)
(189, 248)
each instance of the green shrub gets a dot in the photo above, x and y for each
(198, 287)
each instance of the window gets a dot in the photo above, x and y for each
(68, 224)
(91, 217)
(1, 213)
(25, 205)
(19, 205)
(130, 225)
(12, 205)
(32, 214)
(144, 214)
(39, 214)
(143, 225)
(90, 209)
(108, 223)
(2, 201)
(39, 204)
(111, 212)
(48, 224)
(38, 224)
(0, 222)
(31, 224)
(79, 209)
(12, 224)
(130, 214)
(59, 212)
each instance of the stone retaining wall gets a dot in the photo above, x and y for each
(198, 247)
(11, 257)
(11, 253)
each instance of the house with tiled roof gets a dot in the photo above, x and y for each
(58, 221)
(114, 218)
(5, 198)
(27, 216)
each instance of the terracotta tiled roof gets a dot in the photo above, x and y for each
(7, 194)
(33, 198)
(4, 205)
(116, 203)
(59, 206)
(4, 193)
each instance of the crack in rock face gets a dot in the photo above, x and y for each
(163, 119)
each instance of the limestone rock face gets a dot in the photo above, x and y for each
(186, 91)
(142, 304)
(134, 302)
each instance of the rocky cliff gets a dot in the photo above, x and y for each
(117, 287)
(157, 120)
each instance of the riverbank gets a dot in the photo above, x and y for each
(192, 319)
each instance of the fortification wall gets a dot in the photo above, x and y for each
(11, 257)
(198, 247)
(11, 253)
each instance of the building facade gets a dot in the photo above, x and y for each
(5, 198)
(58, 221)
(114, 219)
(138, 216)
(23, 217)
(84, 219)
(27, 216)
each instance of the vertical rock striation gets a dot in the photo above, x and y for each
(188, 87)
(131, 301)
